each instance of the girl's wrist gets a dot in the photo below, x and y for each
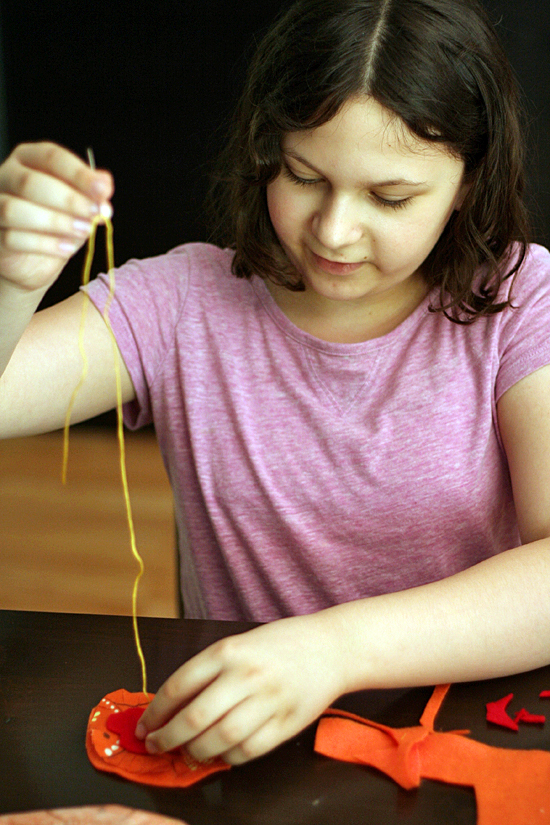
(337, 644)
(11, 290)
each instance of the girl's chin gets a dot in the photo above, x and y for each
(338, 289)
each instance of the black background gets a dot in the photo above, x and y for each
(150, 86)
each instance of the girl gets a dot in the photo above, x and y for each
(356, 426)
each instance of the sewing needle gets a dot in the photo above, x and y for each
(91, 160)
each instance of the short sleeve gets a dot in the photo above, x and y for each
(149, 296)
(524, 341)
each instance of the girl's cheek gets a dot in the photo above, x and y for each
(280, 207)
(275, 193)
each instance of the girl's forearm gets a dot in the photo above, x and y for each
(17, 307)
(488, 621)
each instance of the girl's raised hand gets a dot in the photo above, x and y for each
(246, 694)
(48, 200)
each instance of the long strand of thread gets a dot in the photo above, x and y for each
(122, 448)
(85, 303)
(120, 423)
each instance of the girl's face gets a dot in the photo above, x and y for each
(359, 205)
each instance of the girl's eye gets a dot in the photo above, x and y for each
(385, 202)
(300, 181)
(392, 204)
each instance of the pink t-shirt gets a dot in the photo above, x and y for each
(308, 473)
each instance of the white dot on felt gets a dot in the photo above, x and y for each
(108, 752)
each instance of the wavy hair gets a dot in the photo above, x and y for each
(435, 64)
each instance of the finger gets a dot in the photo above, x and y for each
(45, 190)
(33, 243)
(206, 709)
(231, 730)
(182, 686)
(263, 740)
(68, 167)
(19, 214)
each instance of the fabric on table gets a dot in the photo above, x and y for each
(89, 815)
(105, 752)
(524, 715)
(498, 715)
(511, 786)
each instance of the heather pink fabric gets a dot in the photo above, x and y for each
(307, 473)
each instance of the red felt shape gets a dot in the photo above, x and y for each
(496, 713)
(124, 723)
(545, 694)
(532, 718)
(511, 786)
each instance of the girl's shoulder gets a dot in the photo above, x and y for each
(185, 261)
(155, 291)
(188, 263)
(196, 271)
(520, 331)
(202, 255)
(533, 277)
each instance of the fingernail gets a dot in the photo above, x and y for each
(66, 247)
(82, 227)
(140, 731)
(106, 210)
(151, 747)
(99, 187)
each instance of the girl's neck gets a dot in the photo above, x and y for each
(349, 322)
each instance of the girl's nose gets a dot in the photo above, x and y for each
(336, 223)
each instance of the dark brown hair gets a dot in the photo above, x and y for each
(437, 65)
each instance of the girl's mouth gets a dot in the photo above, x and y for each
(335, 267)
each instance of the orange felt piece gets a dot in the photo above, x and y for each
(175, 769)
(511, 786)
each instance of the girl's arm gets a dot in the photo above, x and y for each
(48, 199)
(244, 695)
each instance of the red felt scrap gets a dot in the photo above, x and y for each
(532, 718)
(496, 713)
(545, 694)
(124, 723)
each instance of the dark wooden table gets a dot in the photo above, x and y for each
(55, 667)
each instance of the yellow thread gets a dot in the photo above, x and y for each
(120, 426)
(85, 280)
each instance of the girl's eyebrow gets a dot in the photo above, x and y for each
(392, 182)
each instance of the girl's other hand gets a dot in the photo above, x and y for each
(48, 200)
(246, 694)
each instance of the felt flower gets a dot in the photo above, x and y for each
(112, 746)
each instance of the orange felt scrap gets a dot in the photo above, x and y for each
(511, 786)
(175, 769)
